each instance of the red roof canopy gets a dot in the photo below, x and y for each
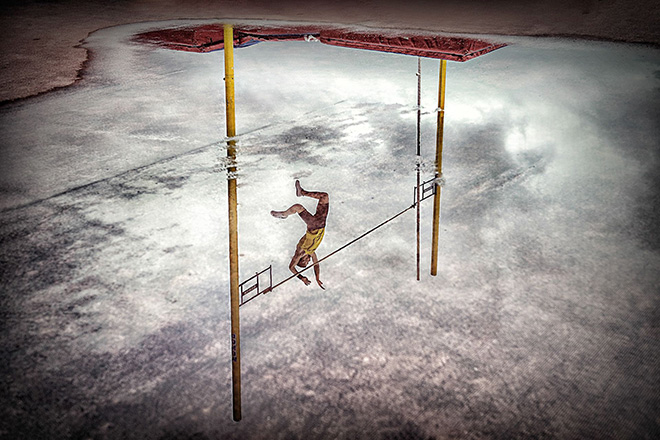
(207, 38)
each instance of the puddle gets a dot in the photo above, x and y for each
(547, 279)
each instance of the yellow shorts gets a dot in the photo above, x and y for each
(311, 240)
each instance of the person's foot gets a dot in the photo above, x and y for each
(278, 214)
(299, 189)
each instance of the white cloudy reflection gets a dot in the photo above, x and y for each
(542, 321)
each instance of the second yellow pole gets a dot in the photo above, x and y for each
(233, 220)
(438, 165)
(419, 160)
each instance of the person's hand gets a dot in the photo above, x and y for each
(305, 280)
(320, 283)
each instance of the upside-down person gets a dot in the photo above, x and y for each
(306, 247)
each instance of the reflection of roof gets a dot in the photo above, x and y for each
(207, 38)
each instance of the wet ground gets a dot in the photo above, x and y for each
(542, 321)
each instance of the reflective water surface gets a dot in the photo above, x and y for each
(542, 321)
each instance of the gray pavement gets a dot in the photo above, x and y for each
(543, 320)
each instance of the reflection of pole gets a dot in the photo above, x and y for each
(233, 220)
(419, 154)
(438, 167)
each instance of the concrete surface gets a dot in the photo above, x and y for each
(543, 320)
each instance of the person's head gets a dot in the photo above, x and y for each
(304, 261)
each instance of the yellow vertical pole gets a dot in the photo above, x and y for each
(419, 157)
(438, 166)
(233, 220)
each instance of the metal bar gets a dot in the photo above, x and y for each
(270, 276)
(256, 285)
(249, 299)
(246, 281)
(265, 270)
(419, 116)
(419, 105)
(233, 221)
(339, 249)
(438, 166)
(426, 187)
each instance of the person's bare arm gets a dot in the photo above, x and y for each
(292, 266)
(317, 270)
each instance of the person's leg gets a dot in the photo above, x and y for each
(321, 196)
(294, 209)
